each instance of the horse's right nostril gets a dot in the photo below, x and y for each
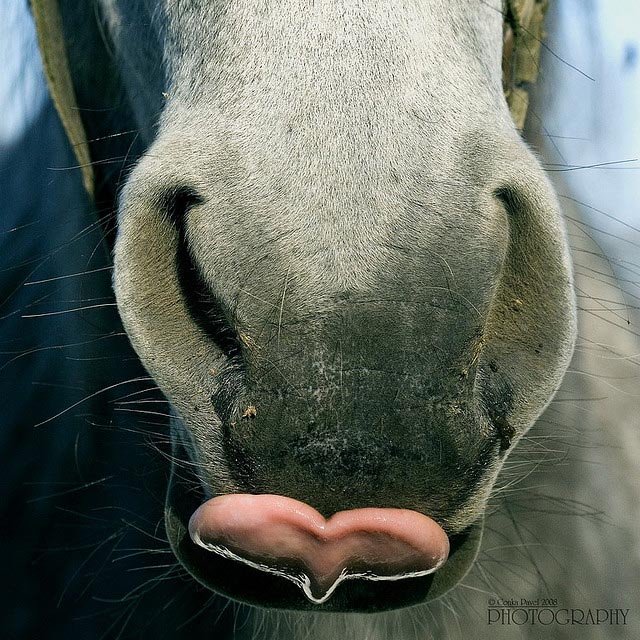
(206, 309)
(177, 203)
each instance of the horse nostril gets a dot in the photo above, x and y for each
(206, 309)
(178, 202)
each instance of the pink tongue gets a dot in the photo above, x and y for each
(287, 537)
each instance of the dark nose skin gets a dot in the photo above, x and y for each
(359, 411)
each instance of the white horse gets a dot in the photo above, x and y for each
(560, 524)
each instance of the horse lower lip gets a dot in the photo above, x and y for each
(289, 538)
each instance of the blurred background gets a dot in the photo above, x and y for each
(81, 476)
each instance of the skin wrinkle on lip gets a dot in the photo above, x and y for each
(290, 539)
(302, 580)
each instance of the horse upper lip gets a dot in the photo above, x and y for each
(286, 537)
(242, 582)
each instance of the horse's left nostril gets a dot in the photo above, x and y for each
(506, 432)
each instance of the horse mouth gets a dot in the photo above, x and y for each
(415, 573)
(288, 538)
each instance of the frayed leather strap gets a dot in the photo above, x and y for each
(53, 49)
(523, 36)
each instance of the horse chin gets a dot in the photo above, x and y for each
(249, 585)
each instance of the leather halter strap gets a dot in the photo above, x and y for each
(53, 48)
(523, 36)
